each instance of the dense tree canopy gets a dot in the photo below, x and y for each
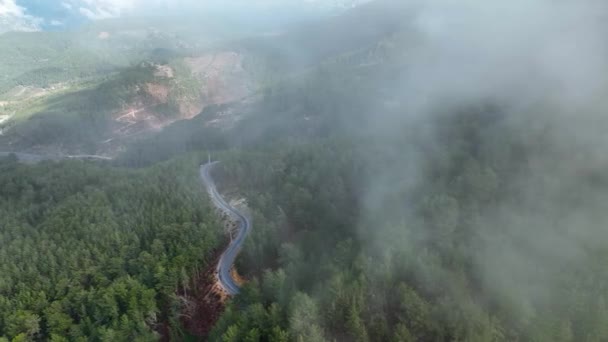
(91, 253)
(366, 253)
(379, 215)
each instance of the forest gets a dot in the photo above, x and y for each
(405, 231)
(92, 253)
(401, 188)
(411, 267)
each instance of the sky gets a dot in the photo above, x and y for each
(28, 15)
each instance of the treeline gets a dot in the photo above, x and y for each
(93, 253)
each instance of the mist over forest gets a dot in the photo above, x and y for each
(386, 171)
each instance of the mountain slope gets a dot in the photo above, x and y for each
(102, 117)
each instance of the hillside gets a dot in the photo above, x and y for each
(409, 176)
(41, 59)
(394, 226)
(85, 104)
(101, 116)
(93, 90)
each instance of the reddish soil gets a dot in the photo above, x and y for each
(158, 92)
(204, 305)
(135, 120)
(224, 80)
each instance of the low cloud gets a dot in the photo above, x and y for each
(543, 63)
(518, 49)
(26, 15)
(102, 9)
(15, 18)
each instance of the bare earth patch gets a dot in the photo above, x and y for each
(223, 76)
(136, 120)
(203, 304)
(223, 81)
(158, 92)
(163, 71)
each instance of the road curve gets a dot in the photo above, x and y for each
(229, 256)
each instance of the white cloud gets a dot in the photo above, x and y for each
(102, 9)
(10, 8)
(14, 18)
(95, 14)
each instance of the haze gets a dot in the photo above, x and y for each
(303, 170)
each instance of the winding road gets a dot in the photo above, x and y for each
(229, 256)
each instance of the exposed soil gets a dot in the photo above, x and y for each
(136, 120)
(142, 115)
(205, 303)
(223, 76)
(203, 306)
(163, 71)
(158, 92)
(155, 105)
(223, 81)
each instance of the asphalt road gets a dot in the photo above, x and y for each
(229, 256)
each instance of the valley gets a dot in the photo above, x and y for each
(360, 171)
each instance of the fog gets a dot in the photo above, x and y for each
(543, 64)
(518, 51)
(415, 169)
